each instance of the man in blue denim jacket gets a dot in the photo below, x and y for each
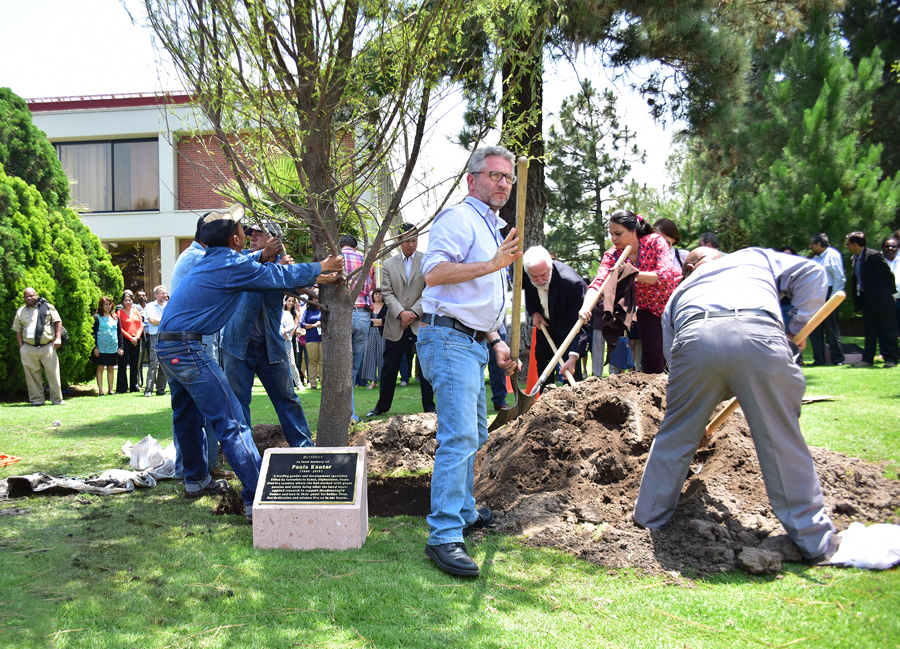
(205, 301)
(253, 345)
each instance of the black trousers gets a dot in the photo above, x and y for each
(393, 355)
(132, 360)
(880, 326)
(652, 357)
(831, 326)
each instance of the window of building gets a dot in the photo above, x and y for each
(139, 261)
(119, 176)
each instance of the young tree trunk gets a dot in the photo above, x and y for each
(335, 408)
(337, 364)
(523, 133)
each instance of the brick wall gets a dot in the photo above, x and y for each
(201, 168)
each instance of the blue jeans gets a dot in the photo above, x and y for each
(200, 390)
(212, 449)
(276, 379)
(406, 367)
(212, 444)
(360, 335)
(212, 346)
(454, 364)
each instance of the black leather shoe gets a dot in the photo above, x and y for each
(215, 487)
(374, 412)
(452, 558)
(485, 518)
(430, 410)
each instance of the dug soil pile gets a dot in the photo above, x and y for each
(566, 474)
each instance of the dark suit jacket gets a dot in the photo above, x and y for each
(877, 282)
(566, 296)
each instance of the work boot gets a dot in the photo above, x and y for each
(214, 488)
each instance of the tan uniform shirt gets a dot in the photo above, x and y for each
(26, 320)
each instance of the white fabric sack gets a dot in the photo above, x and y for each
(876, 547)
(147, 455)
(165, 471)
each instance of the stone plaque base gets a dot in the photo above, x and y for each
(309, 525)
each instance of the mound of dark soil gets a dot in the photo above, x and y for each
(566, 474)
(268, 436)
(400, 444)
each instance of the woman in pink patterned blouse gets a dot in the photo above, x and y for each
(656, 280)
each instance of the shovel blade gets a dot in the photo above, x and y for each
(522, 405)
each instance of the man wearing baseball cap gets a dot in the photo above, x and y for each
(204, 303)
(253, 346)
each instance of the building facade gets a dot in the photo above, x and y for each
(141, 176)
(138, 175)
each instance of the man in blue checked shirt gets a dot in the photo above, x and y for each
(463, 306)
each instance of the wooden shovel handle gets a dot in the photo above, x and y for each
(569, 376)
(833, 302)
(576, 327)
(522, 184)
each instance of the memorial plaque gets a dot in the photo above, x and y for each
(310, 479)
(311, 499)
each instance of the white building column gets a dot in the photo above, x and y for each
(168, 255)
(168, 172)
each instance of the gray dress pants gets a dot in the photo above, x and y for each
(747, 357)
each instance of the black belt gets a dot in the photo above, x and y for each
(725, 314)
(182, 336)
(453, 323)
(360, 308)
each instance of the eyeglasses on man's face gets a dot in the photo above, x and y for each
(888, 246)
(497, 175)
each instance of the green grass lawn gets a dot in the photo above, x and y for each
(153, 570)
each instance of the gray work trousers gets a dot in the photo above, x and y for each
(747, 357)
(156, 378)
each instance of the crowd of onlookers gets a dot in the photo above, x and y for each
(123, 340)
(124, 333)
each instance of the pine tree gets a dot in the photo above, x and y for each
(26, 153)
(817, 173)
(45, 249)
(590, 152)
(687, 202)
(865, 25)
